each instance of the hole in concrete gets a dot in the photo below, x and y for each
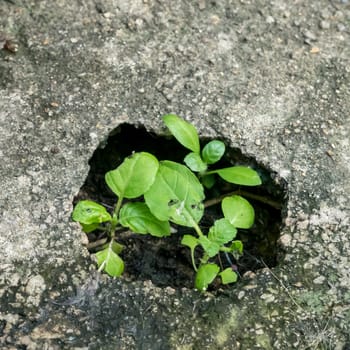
(165, 261)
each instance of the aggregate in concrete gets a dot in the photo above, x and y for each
(271, 77)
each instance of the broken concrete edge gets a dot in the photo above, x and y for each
(65, 291)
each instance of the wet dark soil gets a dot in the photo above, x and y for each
(165, 261)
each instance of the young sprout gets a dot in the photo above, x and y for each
(166, 192)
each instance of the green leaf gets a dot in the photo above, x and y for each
(139, 219)
(111, 261)
(213, 151)
(208, 181)
(89, 212)
(189, 241)
(210, 247)
(134, 176)
(222, 232)
(176, 195)
(90, 227)
(115, 246)
(238, 211)
(194, 162)
(205, 275)
(236, 247)
(183, 131)
(239, 175)
(228, 276)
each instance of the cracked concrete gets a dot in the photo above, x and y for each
(271, 77)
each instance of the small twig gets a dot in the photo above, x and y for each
(95, 244)
(262, 199)
(222, 267)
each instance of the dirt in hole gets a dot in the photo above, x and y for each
(165, 261)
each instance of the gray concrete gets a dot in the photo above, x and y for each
(271, 76)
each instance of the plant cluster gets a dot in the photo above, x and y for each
(152, 195)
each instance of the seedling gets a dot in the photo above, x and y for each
(165, 193)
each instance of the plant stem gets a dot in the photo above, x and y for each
(115, 216)
(117, 207)
(197, 228)
(205, 258)
(193, 261)
(225, 249)
(253, 196)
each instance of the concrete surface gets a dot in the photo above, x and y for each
(272, 77)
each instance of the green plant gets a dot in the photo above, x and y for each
(170, 192)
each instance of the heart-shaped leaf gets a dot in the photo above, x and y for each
(205, 275)
(228, 276)
(139, 219)
(238, 211)
(134, 176)
(88, 212)
(176, 195)
(213, 151)
(183, 131)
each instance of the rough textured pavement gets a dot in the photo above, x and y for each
(272, 77)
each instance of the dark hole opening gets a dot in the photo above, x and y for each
(165, 261)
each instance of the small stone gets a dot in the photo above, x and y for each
(314, 50)
(269, 298)
(241, 294)
(139, 23)
(107, 15)
(285, 240)
(325, 14)
(84, 239)
(215, 19)
(310, 35)
(330, 153)
(202, 5)
(250, 286)
(325, 25)
(341, 27)
(170, 291)
(298, 284)
(319, 280)
(302, 225)
(249, 274)
(270, 20)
